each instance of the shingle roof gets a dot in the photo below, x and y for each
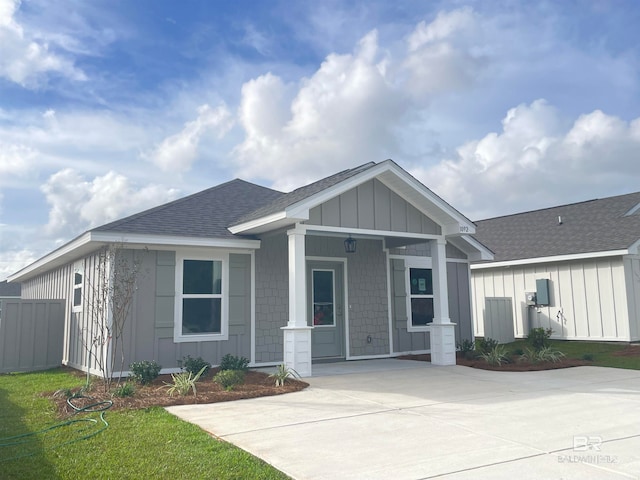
(302, 193)
(591, 226)
(10, 289)
(204, 214)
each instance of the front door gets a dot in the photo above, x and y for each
(325, 293)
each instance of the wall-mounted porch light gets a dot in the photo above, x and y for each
(350, 245)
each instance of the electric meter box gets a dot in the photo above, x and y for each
(542, 292)
(531, 298)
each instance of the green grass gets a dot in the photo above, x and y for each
(138, 444)
(602, 352)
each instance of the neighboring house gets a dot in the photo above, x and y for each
(251, 271)
(585, 254)
(8, 291)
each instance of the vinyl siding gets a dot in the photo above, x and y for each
(588, 299)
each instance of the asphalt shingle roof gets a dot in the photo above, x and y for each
(10, 289)
(591, 226)
(204, 214)
(302, 193)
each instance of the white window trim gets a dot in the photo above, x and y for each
(333, 278)
(78, 267)
(409, 263)
(221, 256)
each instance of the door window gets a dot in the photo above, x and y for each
(323, 298)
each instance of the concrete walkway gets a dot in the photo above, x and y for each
(395, 419)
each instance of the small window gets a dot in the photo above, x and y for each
(421, 296)
(323, 298)
(78, 275)
(200, 301)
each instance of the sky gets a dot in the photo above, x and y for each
(109, 107)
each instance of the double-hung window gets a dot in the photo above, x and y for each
(419, 296)
(201, 305)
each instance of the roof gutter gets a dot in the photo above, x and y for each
(556, 258)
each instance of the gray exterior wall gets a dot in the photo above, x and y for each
(632, 280)
(149, 328)
(373, 206)
(367, 291)
(272, 297)
(58, 284)
(149, 334)
(459, 307)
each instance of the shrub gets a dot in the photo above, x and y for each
(485, 345)
(466, 346)
(183, 382)
(282, 374)
(589, 357)
(124, 390)
(538, 338)
(546, 354)
(231, 362)
(194, 365)
(517, 351)
(145, 372)
(496, 356)
(228, 379)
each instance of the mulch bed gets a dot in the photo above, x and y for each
(256, 384)
(516, 366)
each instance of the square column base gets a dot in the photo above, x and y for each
(443, 343)
(297, 349)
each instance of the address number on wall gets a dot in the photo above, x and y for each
(464, 229)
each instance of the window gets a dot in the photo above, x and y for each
(200, 301)
(78, 277)
(420, 297)
(323, 295)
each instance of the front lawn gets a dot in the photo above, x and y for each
(599, 354)
(138, 444)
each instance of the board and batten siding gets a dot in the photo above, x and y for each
(78, 328)
(150, 326)
(588, 298)
(372, 206)
(632, 278)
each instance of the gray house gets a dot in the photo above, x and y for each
(366, 263)
(572, 268)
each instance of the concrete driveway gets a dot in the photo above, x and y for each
(395, 419)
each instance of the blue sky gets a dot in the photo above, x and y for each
(110, 107)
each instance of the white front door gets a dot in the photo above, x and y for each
(325, 287)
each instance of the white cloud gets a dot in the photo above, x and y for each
(441, 54)
(538, 161)
(25, 60)
(356, 107)
(15, 159)
(78, 204)
(13, 260)
(343, 115)
(178, 152)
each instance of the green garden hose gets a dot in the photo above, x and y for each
(100, 406)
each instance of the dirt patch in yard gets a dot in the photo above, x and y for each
(515, 366)
(632, 350)
(256, 384)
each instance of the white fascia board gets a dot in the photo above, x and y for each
(453, 222)
(174, 241)
(557, 258)
(258, 222)
(90, 241)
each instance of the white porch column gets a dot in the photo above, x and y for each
(443, 336)
(297, 334)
